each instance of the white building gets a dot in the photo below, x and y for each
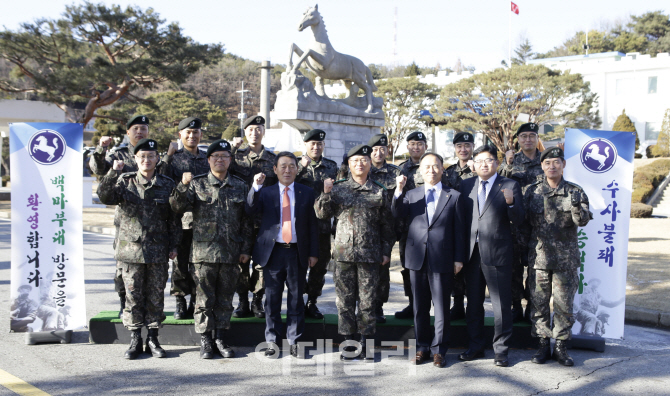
(637, 83)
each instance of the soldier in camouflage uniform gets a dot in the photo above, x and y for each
(221, 240)
(313, 169)
(363, 241)
(524, 167)
(385, 174)
(555, 208)
(149, 234)
(464, 145)
(249, 161)
(188, 159)
(101, 162)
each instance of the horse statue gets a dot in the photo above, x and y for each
(43, 146)
(595, 154)
(327, 63)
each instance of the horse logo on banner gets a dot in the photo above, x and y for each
(47, 147)
(598, 155)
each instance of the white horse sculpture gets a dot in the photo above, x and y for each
(595, 154)
(322, 58)
(42, 145)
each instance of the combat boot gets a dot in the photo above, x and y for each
(408, 311)
(349, 348)
(153, 346)
(311, 310)
(561, 354)
(242, 310)
(458, 310)
(191, 307)
(206, 351)
(122, 300)
(257, 306)
(135, 348)
(544, 351)
(223, 348)
(180, 310)
(364, 351)
(379, 312)
(517, 311)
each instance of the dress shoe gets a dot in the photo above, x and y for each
(501, 360)
(543, 352)
(311, 310)
(471, 354)
(180, 310)
(270, 351)
(257, 306)
(458, 310)
(406, 313)
(379, 312)
(420, 357)
(517, 311)
(439, 360)
(219, 340)
(122, 300)
(298, 353)
(191, 307)
(242, 310)
(206, 350)
(561, 354)
(135, 348)
(153, 346)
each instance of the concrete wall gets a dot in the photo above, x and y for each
(28, 111)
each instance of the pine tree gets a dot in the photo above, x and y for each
(623, 123)
(662, 147)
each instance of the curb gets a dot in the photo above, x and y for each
(648, 317)
(100, 230)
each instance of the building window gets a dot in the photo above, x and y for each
(651, 130)
(651, 85)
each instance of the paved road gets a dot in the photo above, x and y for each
(638, 364)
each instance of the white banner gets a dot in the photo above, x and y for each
(47, 270)
(602, 163)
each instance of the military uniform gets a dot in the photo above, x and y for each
(25, 309)
(313, 176)
(221, 232)
(364, 234)
(552, 218)
(176, 165)
(526, 172)
(246, 164)
(148, 231)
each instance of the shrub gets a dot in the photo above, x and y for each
(640, 210)
(647, 178)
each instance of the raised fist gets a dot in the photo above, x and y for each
(400, 181)
(118, 165)
(305, 161)
(259, 178)
(576, 197)
(237, 142)
(509, 196)
(105, 141)
(186, 178)
(509, 156)
(327, 186)
(172, 148)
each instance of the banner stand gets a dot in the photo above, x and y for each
(42, 337)
(592, 343)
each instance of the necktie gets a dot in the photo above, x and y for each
(482, 196)
(430, 204)
(286, 217)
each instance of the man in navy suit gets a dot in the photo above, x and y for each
(493, 202)
(287, 243)
(435, 251)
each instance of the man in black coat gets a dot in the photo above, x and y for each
(493, 202)
(287, 243)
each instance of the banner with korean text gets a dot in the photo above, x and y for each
(601, 162)
(47, 269)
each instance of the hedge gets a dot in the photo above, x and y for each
(647, 178)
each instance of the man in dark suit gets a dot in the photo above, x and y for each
(493, 202)
(287, 242)
(435, 251)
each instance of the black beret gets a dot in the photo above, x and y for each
(139, 119)
(418, 135)
(464, 137)
(361, 149)
(552, 152)
(191, 123)
(315, 134)
(528, 127)
(378, 140)
(219, 145)
(255, 120)
(146, 145)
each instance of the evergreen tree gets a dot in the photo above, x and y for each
(624, 124)
(662, 147)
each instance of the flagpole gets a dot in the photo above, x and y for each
(509, 50)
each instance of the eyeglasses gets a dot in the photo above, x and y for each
(142, 158)
(220, 157)
(527, 136)
(487, 160)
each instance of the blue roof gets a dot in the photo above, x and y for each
(578, 57)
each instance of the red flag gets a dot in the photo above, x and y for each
(515, 8)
